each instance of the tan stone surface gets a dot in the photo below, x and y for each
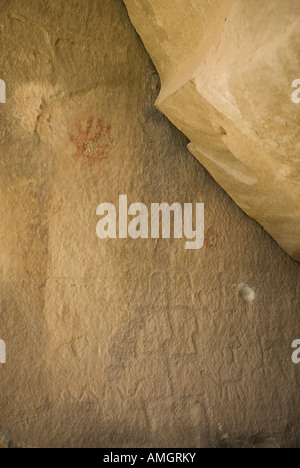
(125, 343)
(227, 69)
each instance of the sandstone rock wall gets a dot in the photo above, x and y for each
(126, 343)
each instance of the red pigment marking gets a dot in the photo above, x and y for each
(219, 38)
(211, 239)
(93, 139)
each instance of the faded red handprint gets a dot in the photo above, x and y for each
(211, 238)
(93, 139)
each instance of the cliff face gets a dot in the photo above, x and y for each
(129, 343)
(227, 70)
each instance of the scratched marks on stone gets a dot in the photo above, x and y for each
(164, 358)
(153, 342)
(166, 323)
(93, 139)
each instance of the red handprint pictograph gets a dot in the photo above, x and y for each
(211, 238)
(93, 139)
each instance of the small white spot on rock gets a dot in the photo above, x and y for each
(246, 293)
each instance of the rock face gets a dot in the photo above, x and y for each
(123, 342)
(227, 69)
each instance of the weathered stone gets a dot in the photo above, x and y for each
(122, 342)
(227, 69)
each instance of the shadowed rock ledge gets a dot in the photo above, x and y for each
(227, 68)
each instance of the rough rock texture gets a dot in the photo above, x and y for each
(227, 68)
(126, 343)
